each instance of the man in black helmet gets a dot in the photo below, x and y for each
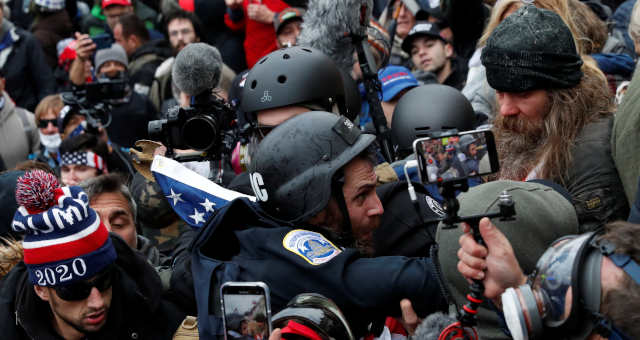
(314, 181)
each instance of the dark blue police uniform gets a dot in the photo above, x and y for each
(241, 243)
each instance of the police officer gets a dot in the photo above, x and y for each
(314, 181)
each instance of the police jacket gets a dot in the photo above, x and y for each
(241, 243)
(137, 310)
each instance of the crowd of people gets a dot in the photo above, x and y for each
(314, 184)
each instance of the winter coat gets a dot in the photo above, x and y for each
(49, 29)
(130, 120)
(138, 310)
(593, 180)
(260, 39)
(625, 139)
(18, 133)
(28, 76)
(143, 64)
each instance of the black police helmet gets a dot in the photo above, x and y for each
(291, 76)
(295, 164)
(316, 312)
(426, 109)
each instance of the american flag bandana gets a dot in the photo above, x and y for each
(87, 158)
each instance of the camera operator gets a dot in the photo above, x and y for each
(131, 113)
(544, 212)
(592, 278)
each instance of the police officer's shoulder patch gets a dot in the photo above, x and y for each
(311, 246)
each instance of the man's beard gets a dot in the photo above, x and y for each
(518, 142)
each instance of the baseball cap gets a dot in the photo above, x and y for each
(50, 5)
(421, 28)
(395, 79)
(107, 3)
(286, 15)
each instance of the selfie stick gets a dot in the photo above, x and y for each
(463, 328)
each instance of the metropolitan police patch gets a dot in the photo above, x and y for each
(311, 246)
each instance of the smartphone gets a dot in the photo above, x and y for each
(456, 156)
(102, 41)
(246, 310)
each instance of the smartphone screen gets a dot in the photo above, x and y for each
(457, 156)
(246, 310)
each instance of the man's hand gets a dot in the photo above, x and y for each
(275, 335)
(84, 46)
(410, 319)
(260, 13)
(233, 4)
(497, 267)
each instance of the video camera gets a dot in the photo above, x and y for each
(204, 127)
(91, 101)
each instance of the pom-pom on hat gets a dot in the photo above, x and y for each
(65, 241)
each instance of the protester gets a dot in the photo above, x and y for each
(541, 135)
(288, 24)
(102, 289)
(18, 132)
(50, 25)
(82, 157)
(433, 55)
(145, 55)
(46, 116)
(596, 283)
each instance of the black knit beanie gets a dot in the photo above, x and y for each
(531, 49)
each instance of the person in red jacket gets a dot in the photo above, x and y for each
(256, 18)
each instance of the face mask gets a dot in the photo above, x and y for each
(563, 300)
(50, 142)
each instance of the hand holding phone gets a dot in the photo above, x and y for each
(246, 310)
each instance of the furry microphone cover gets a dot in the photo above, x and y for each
(328, 25)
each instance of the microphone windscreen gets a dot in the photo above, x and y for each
(197, 68)
(432, 326)
(328, 24)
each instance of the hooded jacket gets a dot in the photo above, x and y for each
(138, 311)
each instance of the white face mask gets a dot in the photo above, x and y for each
(50, 142)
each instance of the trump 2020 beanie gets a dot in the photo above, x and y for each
(531, 49)
(65, 241)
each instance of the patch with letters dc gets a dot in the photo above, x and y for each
(311, 246)
(435, 206)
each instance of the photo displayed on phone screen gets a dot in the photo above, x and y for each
(246, 316)
(454, 157)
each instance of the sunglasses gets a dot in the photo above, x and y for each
(43, 123)
(80, 290)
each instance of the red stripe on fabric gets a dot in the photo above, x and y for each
(300, 329)
(54, 253)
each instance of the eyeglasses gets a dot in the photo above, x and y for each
(43, 123)
(80, 290)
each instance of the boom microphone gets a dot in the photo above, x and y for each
(328, 26)
(197, 68)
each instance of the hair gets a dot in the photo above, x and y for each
(11, 253)
(51, 102)
(621, 304)
(593, 31)
(34, 165)
(85, 142)
(181, 14)
(110, 183)
(132, 25)
(569, 111)
(634, 24)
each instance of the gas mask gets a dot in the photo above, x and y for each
(563, 300)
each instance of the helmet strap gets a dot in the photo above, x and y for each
(346, 235)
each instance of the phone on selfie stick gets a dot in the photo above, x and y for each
(246, 310)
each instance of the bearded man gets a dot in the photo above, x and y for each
(555, 113)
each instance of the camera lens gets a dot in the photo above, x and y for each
(200, 132)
